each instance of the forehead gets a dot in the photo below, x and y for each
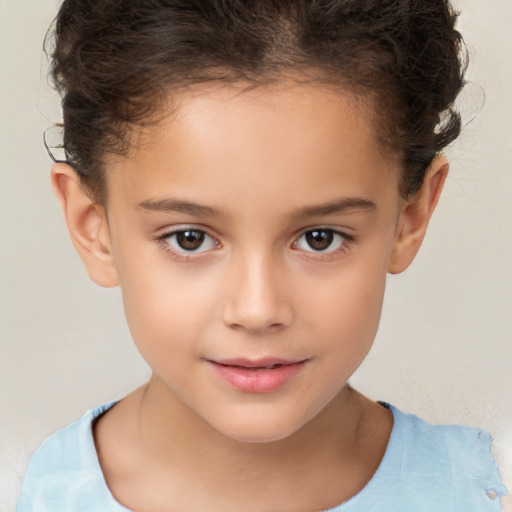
(290, 110)
(262, 140)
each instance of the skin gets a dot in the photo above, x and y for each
(255, 289)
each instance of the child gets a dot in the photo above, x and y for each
(248, 173)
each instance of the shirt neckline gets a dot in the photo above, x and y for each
(386, 466)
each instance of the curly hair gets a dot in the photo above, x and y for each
(115, 61)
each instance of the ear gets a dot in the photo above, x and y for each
(87, 225)
(415, 216)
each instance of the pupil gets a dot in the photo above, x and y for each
(190, 240)
(319, 240)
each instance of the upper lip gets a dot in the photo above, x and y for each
(256, 363)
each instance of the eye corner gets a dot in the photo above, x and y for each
(325, 243)
(187, 241)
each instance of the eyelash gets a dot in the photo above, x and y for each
(323, 255)
(328, 254)
(163, 239)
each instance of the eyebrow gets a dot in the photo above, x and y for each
(344, 205)
(180, 206)
(338, 206)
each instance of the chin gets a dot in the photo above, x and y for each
(259, 431)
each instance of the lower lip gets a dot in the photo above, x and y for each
(257, 380)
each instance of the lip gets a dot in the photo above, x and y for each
(256, 376)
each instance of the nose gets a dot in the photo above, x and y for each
(257, 299)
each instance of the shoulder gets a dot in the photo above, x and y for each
(455, 445)
(452, 464)
(64, 472)
(446, 468)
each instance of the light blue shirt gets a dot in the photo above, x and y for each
(426, 468)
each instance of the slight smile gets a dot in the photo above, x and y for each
(258, 376)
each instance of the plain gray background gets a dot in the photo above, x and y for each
(444, 349)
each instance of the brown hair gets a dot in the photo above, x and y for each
(115, 61)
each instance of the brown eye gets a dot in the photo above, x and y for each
(322, 240)
(319, 239)
(190, 240)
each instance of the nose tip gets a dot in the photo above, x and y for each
(255, 326)
(257, 302)
(253, 321)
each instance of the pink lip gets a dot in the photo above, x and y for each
(256, 376)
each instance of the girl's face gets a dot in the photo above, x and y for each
(252, 237)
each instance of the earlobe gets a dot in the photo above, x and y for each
(415, 215)
(87, 225)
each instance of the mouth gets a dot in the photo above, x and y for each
(257, 376)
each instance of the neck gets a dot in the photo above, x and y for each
(174, 453)
(327, 445)
(169, 428)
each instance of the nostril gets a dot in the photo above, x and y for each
(256, 326)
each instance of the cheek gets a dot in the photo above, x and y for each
(348, 308)
(166, 306)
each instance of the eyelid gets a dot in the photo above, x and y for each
(179, 228)
(339, 231)
(348, 241)
(184, 254)
(326, 255)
